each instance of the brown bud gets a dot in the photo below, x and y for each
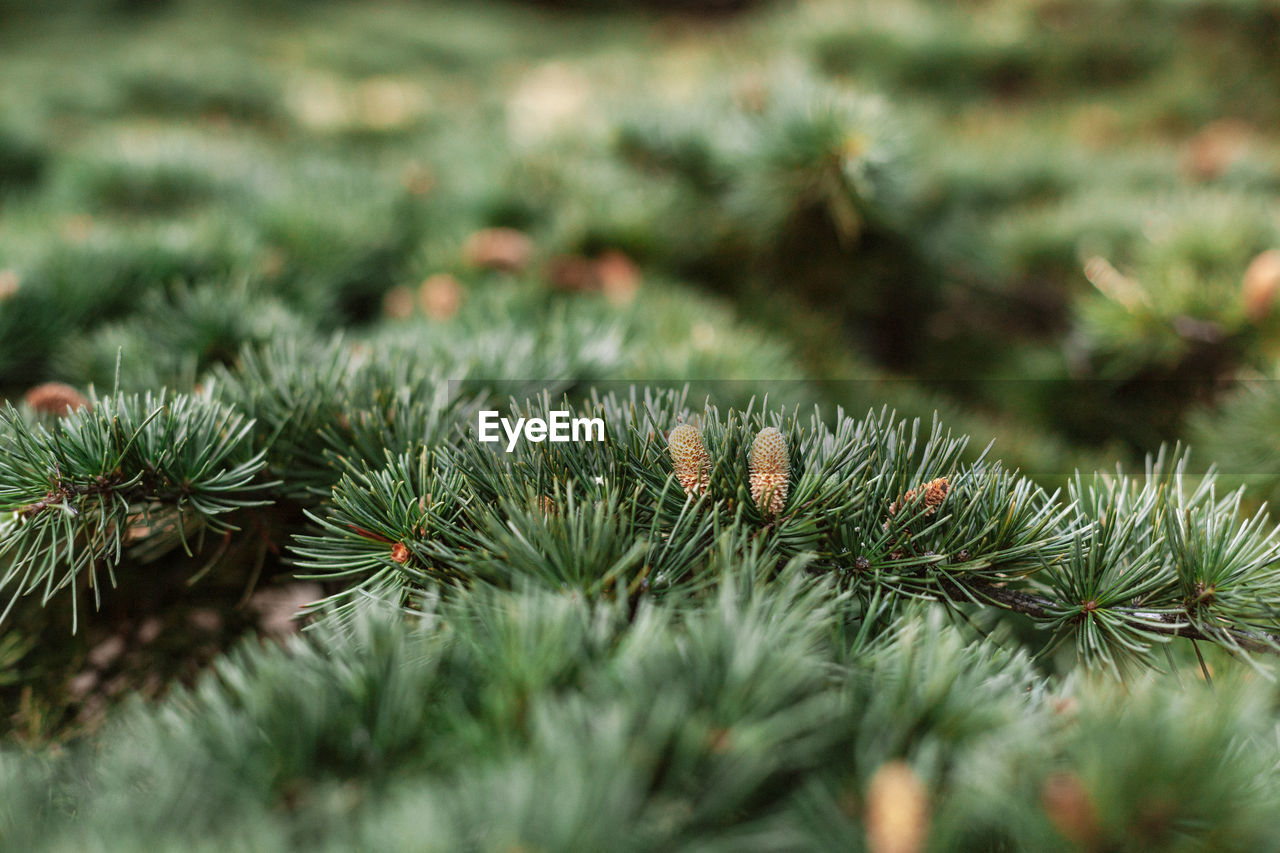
(897, 813)
(398, 302)
(1261, 284)
(573, 274)
(400, 553)
(935, 492)
(770, 471)
(1070, 809)
(499, 249)
(55, 398)
(932, 493)
(440, 296)
(1216, 148)
(689, 459)
(619, 277)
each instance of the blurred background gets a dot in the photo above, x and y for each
(1056, 222)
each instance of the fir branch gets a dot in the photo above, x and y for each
(878, 504)
(129, 468)
(1039, 608)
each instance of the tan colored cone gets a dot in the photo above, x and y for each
(897, 816)
(689, 459)
(770, 471)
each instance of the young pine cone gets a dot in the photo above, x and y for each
(770, 471)
(933, 492)
(689, 458)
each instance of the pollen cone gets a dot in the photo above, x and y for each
(770, 471)
(897, 817)
(689, 458)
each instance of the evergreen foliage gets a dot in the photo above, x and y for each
(270, 592)
(536, 717)
(150, 471)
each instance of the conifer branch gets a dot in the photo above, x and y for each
(1040, 608)
(85, 487)
(877, 503)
